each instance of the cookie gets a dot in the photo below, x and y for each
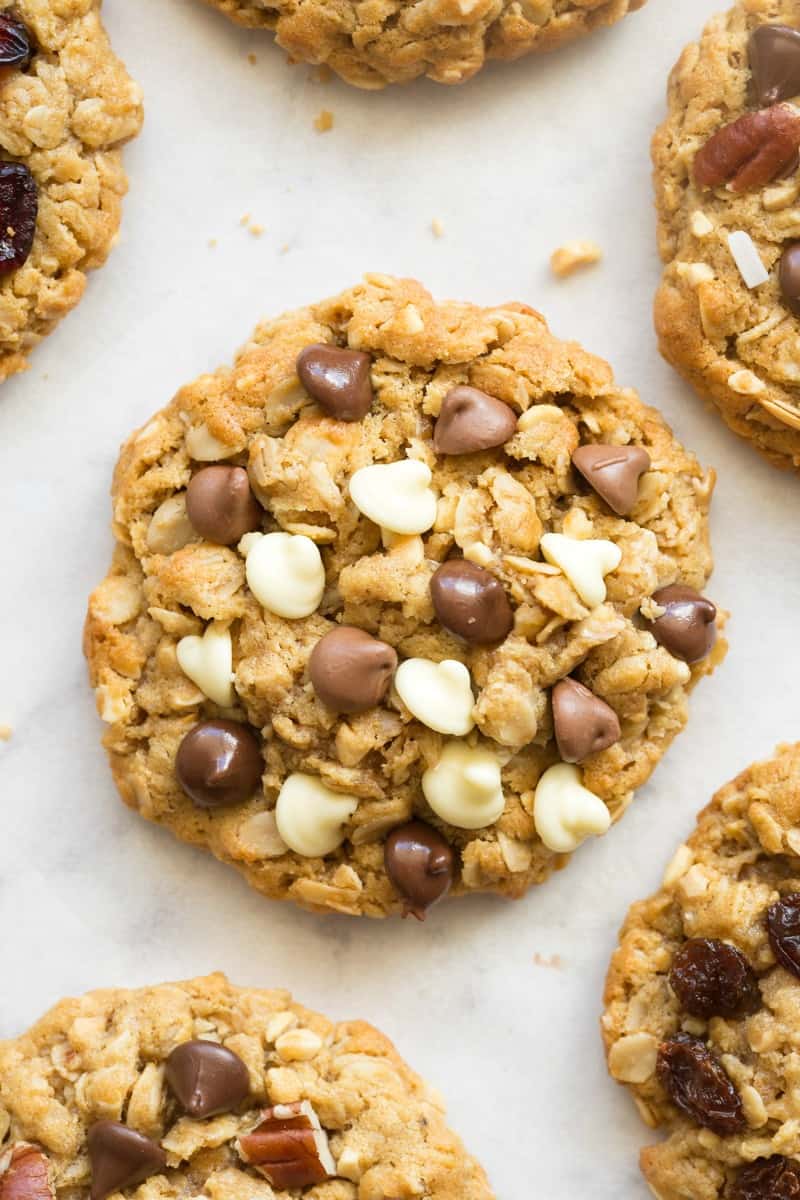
(703, 996)
(66, 107)
(728, 193)
(448, 41)
(407, 601)
(202, 1088)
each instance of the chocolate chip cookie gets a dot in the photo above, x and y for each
(728, 191)
(448, 40)
(202, 1088)
(66, 107)
(406, 602)
(703, 996)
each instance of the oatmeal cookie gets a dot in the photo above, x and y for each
(728, 193)
(447, 40)
(405, 601)
(202, 1088)
(66, 107)
(703, 998)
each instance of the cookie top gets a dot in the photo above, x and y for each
(369, 634)
(728, 194)
(202, 1088)
(66, 106)
(703, 995)
(448, 41)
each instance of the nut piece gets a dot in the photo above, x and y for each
(465, 788)
(438, 694)
(749, 152)
(311, 816)
(208, 662)
(25, 1174)
(565, 812)
(572, 255)
(289, 1147)
(397, 496)
(584, 562)
(284, 572)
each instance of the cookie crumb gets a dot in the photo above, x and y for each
(324, 121)
(244, 219)
(437, 227)
(5, 733)
(251, 58)
(572, 256)
(212, 242)
(255, 229)
(552, 961)
(285, 248)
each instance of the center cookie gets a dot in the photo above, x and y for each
(448, 40)
(205, 1089)
(407, 602)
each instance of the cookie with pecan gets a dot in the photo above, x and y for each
(202, 1088)
(448, 40)
(67, 105)
(405, 602)
(703, 993)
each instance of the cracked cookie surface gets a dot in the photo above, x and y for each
(733, 338)
(447, 40)
(393, 737)
(65, 110)
(697, 965)
(109, 1057)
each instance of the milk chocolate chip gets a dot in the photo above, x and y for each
(206, 1078)
(420, 864)
(471, 603)
(338, 379)
(120, 1157)
(614, 473)
(350, 670)
(789, 277)
(584, 724)
(219, 763)
(221, 506)
(471, 420)
(775, 63)
(687, 628)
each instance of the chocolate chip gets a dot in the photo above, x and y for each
(614, 473)
(687, 628)
(206, 1078)
(471, 420)
(420, 864)
(584, 724)
(789, 277)
(775, 63)
(219, 763)
(120, 1157)
(471, 603)
(338, 379)
(221, 506)
(350, 670)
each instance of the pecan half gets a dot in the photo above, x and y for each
(25, 1174)
(751, 151)
(289, 1147)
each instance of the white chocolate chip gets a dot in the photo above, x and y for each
(747, 259)
(699, 224)
(678, 866)
(202, 446)
(632, 1059)
(695, 273)
(396, 495)
(745, 383)
(464, 788)
(565, 812)
(311, 816)
(585, 563)
(285, 572)
(438, 694)
(208, 662)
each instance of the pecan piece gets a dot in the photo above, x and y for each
(289, 1147)
(750, 151)
(25, 1174)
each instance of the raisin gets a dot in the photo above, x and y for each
(713, 979)
(697, 1084)
(783, 925)
(19, 206)
(775, 1178)
(16, 48)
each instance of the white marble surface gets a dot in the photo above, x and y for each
(512, 164)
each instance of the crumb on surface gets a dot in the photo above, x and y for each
(285, 248)
(552, 961)
(251, 58)
(324, 121)
(212, 243)
(437, 227)
(244, 219)
(255, 229)
(5, 733)
(574, 255)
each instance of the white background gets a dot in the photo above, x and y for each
(512, 164)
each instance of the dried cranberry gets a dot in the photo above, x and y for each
(713, 979)
(19, 206)
(697, 1084)
(16, 48)
(783, 925)
(775, 1178)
